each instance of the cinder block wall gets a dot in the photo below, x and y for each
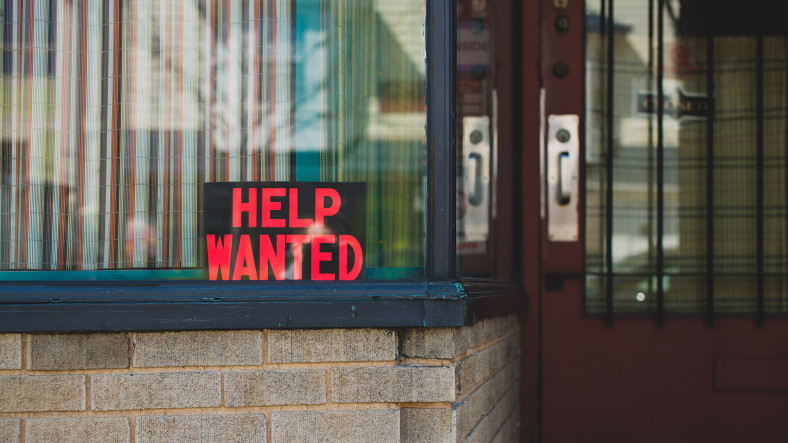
(381, 385)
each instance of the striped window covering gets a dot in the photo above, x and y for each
(115, 112)
(733, 117)
(375, 121)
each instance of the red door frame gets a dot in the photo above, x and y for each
(634, 381)
(528, 18)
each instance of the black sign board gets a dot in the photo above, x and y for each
(678, 105)
(284, 231)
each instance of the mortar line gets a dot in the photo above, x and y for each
(269, 428)
(408, 361)
(425, 405)
(132, 429)
(198, 368)
(242, 410)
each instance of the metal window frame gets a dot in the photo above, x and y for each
(439, 299)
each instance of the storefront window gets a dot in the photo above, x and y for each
(115, 114)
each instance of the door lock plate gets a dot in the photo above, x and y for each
(563, 164)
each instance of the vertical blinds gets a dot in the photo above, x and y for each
(115, 112)
(375, 119)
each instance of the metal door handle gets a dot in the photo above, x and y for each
(566, 178)
(477, 192)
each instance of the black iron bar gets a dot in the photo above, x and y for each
(660, 314)
(609, 34)
(759, 308)
(710, 168)
(650, 148)
(785, 155)
(646, 274)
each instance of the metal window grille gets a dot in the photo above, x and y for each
(686, 158)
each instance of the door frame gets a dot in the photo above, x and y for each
(526, 26)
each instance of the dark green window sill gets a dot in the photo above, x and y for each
(123, 305)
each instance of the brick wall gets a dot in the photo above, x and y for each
(431, 385)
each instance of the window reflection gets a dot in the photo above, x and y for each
(477, 155)
(114, 113)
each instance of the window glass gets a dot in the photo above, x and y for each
(477, 137)
(116, 113)
(698, 193)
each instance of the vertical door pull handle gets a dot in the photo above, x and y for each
(476, 196)
(565, 178)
